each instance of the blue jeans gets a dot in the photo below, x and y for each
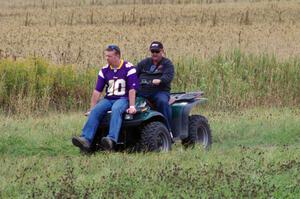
(161, 100)
(117, 107)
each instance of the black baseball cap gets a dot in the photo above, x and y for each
(156, 45)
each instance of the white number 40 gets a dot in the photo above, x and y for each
(116, 87)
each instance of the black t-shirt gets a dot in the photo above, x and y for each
(147, 71)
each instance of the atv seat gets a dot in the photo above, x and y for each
(179, 97)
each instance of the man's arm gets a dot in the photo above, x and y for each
(97, 92)
(132, 85)
(95, 98)
(139, 66)
(132, 94)
(168, 73)
(138, 69)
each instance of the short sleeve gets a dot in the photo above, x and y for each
(132, 79)
(100, 82)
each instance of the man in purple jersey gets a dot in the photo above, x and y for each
(120, 79)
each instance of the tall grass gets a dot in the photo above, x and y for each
(237, 80)
(33, 85)
(234, 80)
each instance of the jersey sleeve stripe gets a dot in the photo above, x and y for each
(129, 65)
(131, 71)
(101, 74)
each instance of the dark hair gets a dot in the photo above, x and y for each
(114, 48)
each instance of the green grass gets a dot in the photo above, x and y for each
(255, 154)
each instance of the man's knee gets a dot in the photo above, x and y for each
(99, 110)
(116, 109)
(119, 107)
(162, 100)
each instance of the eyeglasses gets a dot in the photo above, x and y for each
(155, 51)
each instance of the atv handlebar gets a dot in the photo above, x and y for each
(146, 82)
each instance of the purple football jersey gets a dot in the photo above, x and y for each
(117, 81)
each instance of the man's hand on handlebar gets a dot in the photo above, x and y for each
(156, 81)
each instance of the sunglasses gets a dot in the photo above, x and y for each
(114, 47)
(155, 51)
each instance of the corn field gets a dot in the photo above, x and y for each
(76, 32)
(241, 53)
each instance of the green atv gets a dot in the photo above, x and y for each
(147, 130)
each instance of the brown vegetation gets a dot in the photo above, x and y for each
(77, 31)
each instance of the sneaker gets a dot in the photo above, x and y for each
(81, 142)
(107, 143)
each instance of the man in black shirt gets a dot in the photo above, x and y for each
(155, 74)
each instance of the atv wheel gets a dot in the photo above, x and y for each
(155, 137)
(199, 132)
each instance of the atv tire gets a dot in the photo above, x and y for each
(155, 137)
(199, 132)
